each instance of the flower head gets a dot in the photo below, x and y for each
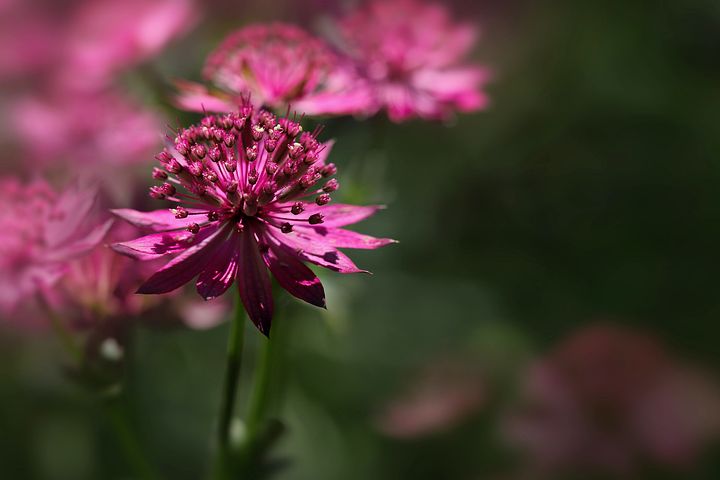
(410, 52)
(41, 231)
(278, 65)
(249, 198)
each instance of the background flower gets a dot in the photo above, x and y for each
(412, 53)
(278, 66)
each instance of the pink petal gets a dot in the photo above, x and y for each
(221, 271)
(338, 214)
(184, 267)
(254, 284)
(294, 276)
(158, 220)
(157, 245)
(196, 98)
(340, 238)
(81, 246)
(306, 248)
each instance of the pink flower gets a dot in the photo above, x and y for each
(92, 130)
(411, 52)
(445, 394)
(610, 399)
(41, 232)
(106, 36)
(279, 66)
(249, 205)
(101, 284)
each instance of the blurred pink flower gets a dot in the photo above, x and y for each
(41, 232)
(445, 394)
(28, 40)
(611, 399)
(411, 52)
(101, 284)
(249, 207)
(90, 130)
(106, 36)
(280, 66)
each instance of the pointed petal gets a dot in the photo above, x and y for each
(196, 98)
(157, 220)
(254, 284)
(305, 247)
(184, 267)
(157, 245)
(341, 238)
(338, 214)
(221, 271)
(294, 276)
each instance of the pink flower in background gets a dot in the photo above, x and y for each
(106, 36)
(102, 284)
(249, 204)
(279, 66)
(41, 232)
(92, 130)
(610, 399)
(445, 394)
(412, 53)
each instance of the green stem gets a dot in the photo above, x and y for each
(259, 400)
(128, 441)
(232, 378)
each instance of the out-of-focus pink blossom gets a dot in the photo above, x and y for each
(249, 204)
(106, 36)
(88, 130)
(28, 41)
(444, 395)
(41, 232)
(610, 399)
(278, 66)
(412, 54)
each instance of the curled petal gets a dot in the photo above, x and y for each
(254, 284)
(184, 267)
(294, 276)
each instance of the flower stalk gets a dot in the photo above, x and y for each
(230, 387)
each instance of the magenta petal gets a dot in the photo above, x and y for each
(157, 245)
(196, 98)
(221, 271)
(184, 267)
(158, 220)
(306, 248)
(339, 215)
(340, 238)
(294, 276)
(254, 284)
